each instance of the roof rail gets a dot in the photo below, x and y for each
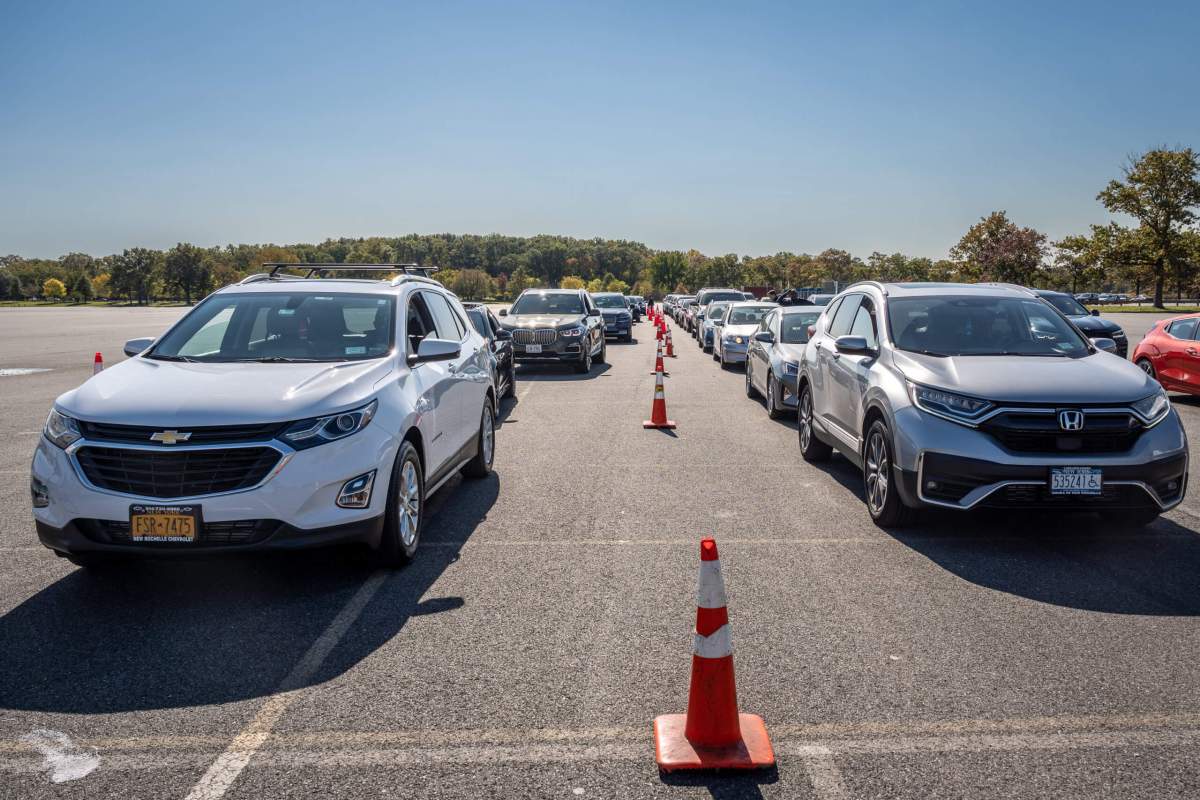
(319, 270)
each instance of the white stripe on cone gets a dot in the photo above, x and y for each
(718, 645)
(710, 589)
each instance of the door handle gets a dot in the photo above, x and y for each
(1191, 351)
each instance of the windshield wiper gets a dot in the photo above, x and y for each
(276, 360)
(157, 357)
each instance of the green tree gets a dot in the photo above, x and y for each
(996, 249)
(1161, 190)
(54, 289)
(186, 270)
(472, 284)
(572, 282)
(134, 272)
(81, 288)
(667, 269)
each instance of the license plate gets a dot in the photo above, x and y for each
(533, 348)
(164, 523)
(1075, 480)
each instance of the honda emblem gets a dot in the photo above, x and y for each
(1070, 420)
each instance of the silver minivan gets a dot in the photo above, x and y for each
(962, 396)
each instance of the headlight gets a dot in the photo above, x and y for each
(61, 429)
(573, 332)
(1153, 408)
(319, 430)
(956, 407)
(791, 368)
(734, 339)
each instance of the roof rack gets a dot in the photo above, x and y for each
(319, 270)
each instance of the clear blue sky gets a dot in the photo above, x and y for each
(730, 127)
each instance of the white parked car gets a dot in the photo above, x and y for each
(280, 412)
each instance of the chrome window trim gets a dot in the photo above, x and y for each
(1037, 410)
(285, 453)
(981, 493)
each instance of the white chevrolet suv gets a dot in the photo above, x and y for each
(281, 412)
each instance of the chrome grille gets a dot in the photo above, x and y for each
(538, 336)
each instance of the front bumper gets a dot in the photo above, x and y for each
(563, 350)
(618, 327)
(295, 505)
(733, 353)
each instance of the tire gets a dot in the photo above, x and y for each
(405, 512)
(879, 480)
(600, 359)
(511, 389)
(812, 449)
(772, 399)
(1147, 367)
(584, 365)
(751, 392)
(481, 465)
(627, 338)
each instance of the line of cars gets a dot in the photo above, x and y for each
(962, 396)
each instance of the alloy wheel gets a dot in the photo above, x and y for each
(770, 394)
(410, 504)
(877, 472)
(489, 435)
(805, 419)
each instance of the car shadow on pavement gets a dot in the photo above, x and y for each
(182, 633)
(1082, 561)
(557, 372)
(728, 785)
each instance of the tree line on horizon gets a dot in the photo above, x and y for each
(1158, 191)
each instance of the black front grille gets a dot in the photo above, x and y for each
(140, 434)
(242, 531)
(179, 473)
(1040, 498)
(1025, 432)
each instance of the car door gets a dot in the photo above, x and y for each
(433, 387)
(850, 369)
(502, 347)
(465, 373)
(1177, 366)
(758, 354)
(826, 404)
(595, 323)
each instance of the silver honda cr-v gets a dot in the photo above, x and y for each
(965, 396)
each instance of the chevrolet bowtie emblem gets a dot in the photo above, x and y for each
(170, 437)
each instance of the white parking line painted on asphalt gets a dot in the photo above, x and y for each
(225, 770)
(823, 772)
(12, 372)
(61, 758)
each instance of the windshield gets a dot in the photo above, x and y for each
(982, 326)
(820, 299)
(479, 322)
(749, 315)
(794, 329)
(716, 311)
(1066, 304)
(609, 301)
(547, 303)
(282, 326)
(711, 296)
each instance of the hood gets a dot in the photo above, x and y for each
(740, 330)
(174, 394)
(539, 321)
(1095, 326)
(791, 352)
(1096, 378)
(614, 312)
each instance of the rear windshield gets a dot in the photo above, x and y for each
(794, 329)
(278, 326)
(748, 315)
(547, 303)
(609, 301)
(982, 326)
(709, 297)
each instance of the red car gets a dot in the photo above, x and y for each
(1170, 353)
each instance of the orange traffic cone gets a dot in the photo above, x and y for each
(670, 347)
(712, 735)
(658, 363)
(97, 364)
(658, 333)
(658, 410)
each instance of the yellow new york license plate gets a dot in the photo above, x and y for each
(164, 523)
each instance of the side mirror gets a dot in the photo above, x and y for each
(766, 337)
(857, 345)
(504, 335)
(137, 346)
(719, 323)
(1105, 344)
(434, 350)
(812, 331)
(1095, 312)
(503, 312)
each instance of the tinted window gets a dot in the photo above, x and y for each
(708, 297)
(1184, 328)
(610, 301)
(479, 321)
(864, 324)
(275, 326)
(552, 303)
(716, 311)
(768, 321)
(982, 326)
(747, 315)
(1066, 304)
(795, 326)
(443, 318)
(844, 317)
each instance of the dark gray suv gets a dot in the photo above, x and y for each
(962, 396)
(556, 326)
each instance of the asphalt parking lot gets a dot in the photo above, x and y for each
(548, 619)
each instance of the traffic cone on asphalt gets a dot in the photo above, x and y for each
(712, 734)
(658, 333)
(97, 364)
(658, 409)
(659, 367)
(670, 347)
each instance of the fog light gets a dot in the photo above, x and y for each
(356, 492)
(40, 493)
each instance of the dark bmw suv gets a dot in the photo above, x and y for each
(1092, 325)
(556, 326)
